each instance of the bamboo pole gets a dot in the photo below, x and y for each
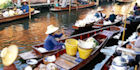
(97, 3)
(136, 67)
(76, 5)
(29, 10)
(124, 29)
(69, 5)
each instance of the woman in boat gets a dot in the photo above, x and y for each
(25, 7)
(99, 13)
(56, 3)
(51, 43)
(136, 9)
(136, 6)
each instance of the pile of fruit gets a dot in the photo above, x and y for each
(12, 13)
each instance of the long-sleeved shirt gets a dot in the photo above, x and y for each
(99, 15)
(25, 7)
(51, 43)
(112, 17)
(135, 7)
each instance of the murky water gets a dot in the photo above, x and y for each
(25, 34)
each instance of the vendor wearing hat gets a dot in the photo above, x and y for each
(50, 42)
(25, 7)
(8, 56)
(99, 13)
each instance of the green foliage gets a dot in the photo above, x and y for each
(6, 5)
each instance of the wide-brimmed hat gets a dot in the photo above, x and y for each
(24, 1)
(51, 29)
(100, 9)
(9, 55)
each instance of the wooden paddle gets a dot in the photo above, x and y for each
(69, 5)
(29, 10)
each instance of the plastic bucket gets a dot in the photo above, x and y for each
(84, 53)
(71, 46)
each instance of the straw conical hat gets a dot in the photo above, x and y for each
(24, 1)
(100, 9)
(9, 55)
(51, 29)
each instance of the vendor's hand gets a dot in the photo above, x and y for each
(62, 30)
(128, 46)
(24, 10)
(133, 42)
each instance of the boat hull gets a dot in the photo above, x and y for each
(12, 18)
(57, 9)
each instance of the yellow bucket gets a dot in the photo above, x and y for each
(84, 53)
(71, 46)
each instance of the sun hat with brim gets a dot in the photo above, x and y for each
(24, 1)
(51, 29)
(100, 9)
(9, 55)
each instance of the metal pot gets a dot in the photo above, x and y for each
(119, 61)
(129, 59)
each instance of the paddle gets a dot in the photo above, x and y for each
(29, 10)
(125, 24)
(69, 5)
(97, 3)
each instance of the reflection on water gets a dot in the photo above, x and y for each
(24, 34)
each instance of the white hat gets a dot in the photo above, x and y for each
(100, 9)
(24, 1)
(9, 55)
(51, 29)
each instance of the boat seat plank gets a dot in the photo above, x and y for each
(69, 58)
(64, 63)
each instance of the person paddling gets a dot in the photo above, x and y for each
(25, 7)
(50, 42)
(99, 13)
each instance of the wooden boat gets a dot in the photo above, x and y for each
(81, 36)
(12, 18)
(98, 25)
(125, 0)
(92, 26)
(109, 60)
(55, 9)
(68, 62)
(78, 30)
